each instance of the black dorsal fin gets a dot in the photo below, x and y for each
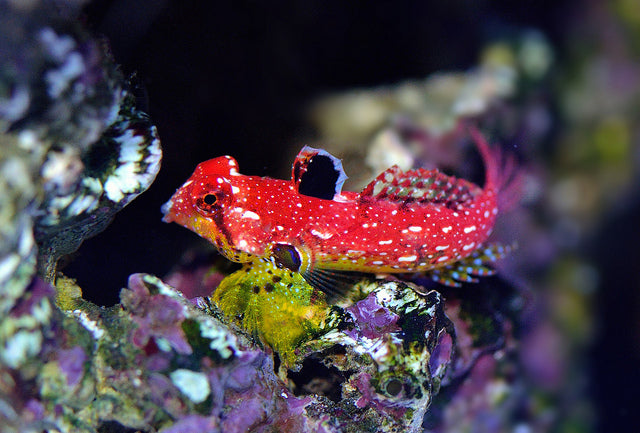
(420, 185)
(317, 173)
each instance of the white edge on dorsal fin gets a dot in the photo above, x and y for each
(337, 164)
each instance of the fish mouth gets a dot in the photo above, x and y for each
(166, 211)
(174, 213)
(177, 209)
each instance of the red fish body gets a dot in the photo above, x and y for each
(419, 220)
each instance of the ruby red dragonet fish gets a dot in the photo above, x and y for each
(402, 222)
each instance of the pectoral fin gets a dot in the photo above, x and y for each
(334, 283)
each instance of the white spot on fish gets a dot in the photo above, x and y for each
(385, 242)
(407, 258)
(242, 244)
(468, 246)
(321, 235)
(235, 189)
(250, 215)
(446, 229)
(415, 229)
(469, 229)
(442, 247)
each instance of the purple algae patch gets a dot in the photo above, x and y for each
(373, 319)
(157, 316)
(441, 354)
(35, 292)
(71, 362)
(194, 424)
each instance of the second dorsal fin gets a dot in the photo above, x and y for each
(421, 186)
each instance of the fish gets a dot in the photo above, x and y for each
(402, 222)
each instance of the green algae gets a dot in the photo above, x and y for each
(275, 304)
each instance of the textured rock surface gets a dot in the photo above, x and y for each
(377, 361)
(75, 150)
(155, 363)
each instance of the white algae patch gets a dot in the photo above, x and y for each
(192, 384)
(89, 324)
(21, 345)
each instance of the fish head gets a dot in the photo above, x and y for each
(204, 203)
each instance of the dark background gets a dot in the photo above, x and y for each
(235, 77)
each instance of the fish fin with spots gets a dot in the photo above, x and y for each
(491, 253)
(334, 284)
(317, 173)
(476, 265)
(452, 276)
(421, 186)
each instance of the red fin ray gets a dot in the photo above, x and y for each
(420, 185)
(501, 172)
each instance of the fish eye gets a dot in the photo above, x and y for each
(208, 201)
(287, 256)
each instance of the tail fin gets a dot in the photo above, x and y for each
(501, 172)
